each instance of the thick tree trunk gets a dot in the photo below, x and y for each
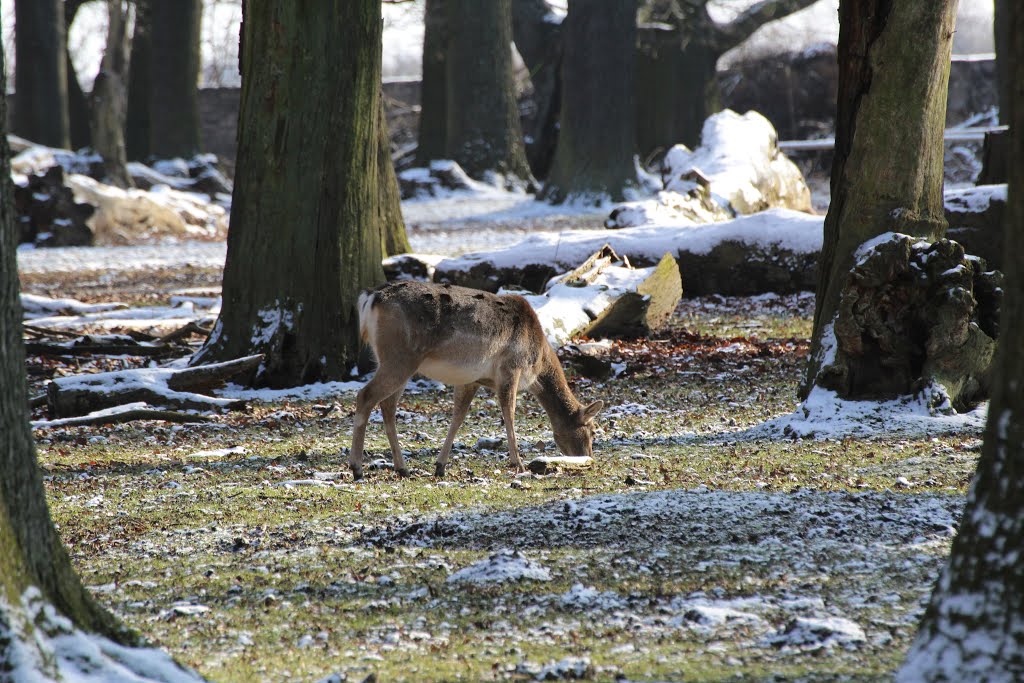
(433, 132)
(305, 232)
(888, 163)
(676, 86)
(109, 98)
(1006, 60)
(31, 552)
(974, 624)
(483, 132)
(174, 77)
(596, 142)
(393, 237)
(40, 79)
(538, 36)
(78, 105)
(137, 125)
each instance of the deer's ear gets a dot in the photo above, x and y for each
(591, 411)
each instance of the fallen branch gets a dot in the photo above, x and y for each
(125, 413)
(106, 344)
(166, 387)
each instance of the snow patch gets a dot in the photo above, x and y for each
(502, 566)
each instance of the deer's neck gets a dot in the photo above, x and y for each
(553, 392)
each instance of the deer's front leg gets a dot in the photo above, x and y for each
(463, 397)
(507, 399)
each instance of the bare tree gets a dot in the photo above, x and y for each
(40, 78)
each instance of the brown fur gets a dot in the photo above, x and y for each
(467, 338)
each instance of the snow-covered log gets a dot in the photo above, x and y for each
(166, 387)
(607, 297)
(771, 251)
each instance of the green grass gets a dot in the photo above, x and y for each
(302, 581)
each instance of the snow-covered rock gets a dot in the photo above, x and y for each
(505, 565)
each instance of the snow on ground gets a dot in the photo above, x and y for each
(57, 650)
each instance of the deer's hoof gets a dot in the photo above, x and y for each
(439, 470)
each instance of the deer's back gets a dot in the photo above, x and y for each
(456, 335)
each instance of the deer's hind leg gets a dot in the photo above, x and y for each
(388, 408)
(385, 384)
(463, 397)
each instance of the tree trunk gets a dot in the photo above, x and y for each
(596, 142)
(109, 99)
(174, 77)
(1006, 60)
(305, 232)
(538, 36)
(888, 162)
(393, 237)
(78, 105)
(974, 623)
(483, 131)
(433, 132)
(31, 552)
(137, 125)
(40, 79)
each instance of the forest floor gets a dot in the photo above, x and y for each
(707, 542)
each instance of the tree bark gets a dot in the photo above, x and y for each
(677, 65)
(137, 124)
(393, 238)
(538, 36)
(974, 623)
(483, 131)
(40, 79)
(596, 142)
(888, 163)
(78, 104)
(433, 131)
(174, 77)
(1006, 60)
(31, 552)
(305, 232)
(109, 98)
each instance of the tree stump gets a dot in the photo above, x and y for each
(48, 214)
(912, 317)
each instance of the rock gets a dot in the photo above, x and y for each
(47, 213)
(411, 267)
(977, 218)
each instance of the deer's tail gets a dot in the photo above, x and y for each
(365, 303)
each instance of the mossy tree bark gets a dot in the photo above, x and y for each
(394, 239)
(174, 77)
(40, 78)
(483, 131)
(596, 142)
(679, 46)
(31, 552)
(974, 623)
(887, 170)
(305, 233)
(433, 131)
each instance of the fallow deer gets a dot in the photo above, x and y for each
(466, 338)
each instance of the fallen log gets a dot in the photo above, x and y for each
(163, 387)
(606, 297)
(99, 344)
(548, 464)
